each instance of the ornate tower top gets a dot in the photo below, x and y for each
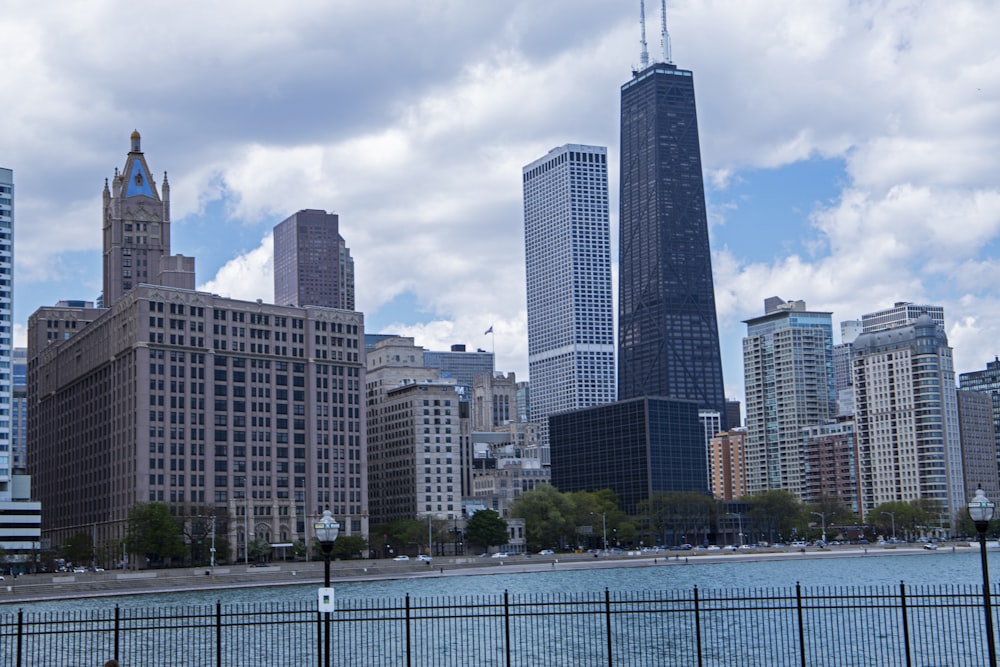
(135, 142)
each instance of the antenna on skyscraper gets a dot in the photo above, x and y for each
(644, 56)
(664, 35)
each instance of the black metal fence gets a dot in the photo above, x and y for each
(796, 626)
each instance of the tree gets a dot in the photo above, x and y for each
(486, 528)
(153, 532)
(774, 514)
(78, 548)
(348, 547)
(258, 549)
(549, 517)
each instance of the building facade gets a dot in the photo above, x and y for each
(901, 314)
(906, 416)
(248, 411)
(668, 336)
(788, 375)
(460, 366)
(312, 264)
(635, 448)
(987, 381)
(727, 465)
(831, 466)
(7, 454)
(197, 401)
(978, 437)
(567, 244)
(414, 435)
(19, 413)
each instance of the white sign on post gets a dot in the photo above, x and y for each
(326, 602)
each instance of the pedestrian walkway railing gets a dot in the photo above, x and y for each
(796, 626)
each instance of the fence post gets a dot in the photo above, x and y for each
(20, 635)
(906, 622)
(697, 624)
(118, 619)
(218, 633)
(607, 623)
(506, 623)
(408, 646)
(802, 630)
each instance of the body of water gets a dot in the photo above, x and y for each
(941, 567)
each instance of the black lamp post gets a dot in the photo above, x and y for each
(327, 530)
(981, 513)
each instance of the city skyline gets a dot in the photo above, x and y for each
(835, 174)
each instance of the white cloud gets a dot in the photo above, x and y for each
(412, 121)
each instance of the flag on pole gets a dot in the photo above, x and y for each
(488, 331)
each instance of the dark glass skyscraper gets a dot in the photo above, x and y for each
(667, 326)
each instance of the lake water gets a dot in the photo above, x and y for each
(941, 567)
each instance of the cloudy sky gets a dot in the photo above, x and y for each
(851, 147)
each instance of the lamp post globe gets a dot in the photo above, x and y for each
(326, 529)
(981, 511)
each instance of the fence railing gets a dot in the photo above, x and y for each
(796, 626)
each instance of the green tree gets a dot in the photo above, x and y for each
(259, 550)
(78, 548)
(153, 532)
(909, 520)
(774, 514)
(549, 517)
(348, 547)
(486, 528)
(399, 534)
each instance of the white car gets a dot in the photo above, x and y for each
(546, 552)
(425, 558)
(499, 554)
(401, 558)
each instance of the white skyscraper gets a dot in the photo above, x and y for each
(6, 316)
(906, 414)
(567, 238)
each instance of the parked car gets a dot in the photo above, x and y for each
(401, 558)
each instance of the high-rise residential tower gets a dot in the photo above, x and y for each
(571, 348)
(668, 337)
(788, 374)
(137, 232)
(906, 415)
(987, 381)
(312, 264)
(6, 317)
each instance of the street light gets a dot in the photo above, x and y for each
(892, 516)
(327, 530)
(822, 517)
(981, 513)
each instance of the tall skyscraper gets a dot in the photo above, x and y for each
(312, 265)
(906, 415)
(137, 232)
(668, 336)
(254, 411)
(6, 317)
(567, 240)
(788, 374)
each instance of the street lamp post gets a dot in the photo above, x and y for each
(822, 517)
(981, 513)
(327, 530)
(892, 517)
